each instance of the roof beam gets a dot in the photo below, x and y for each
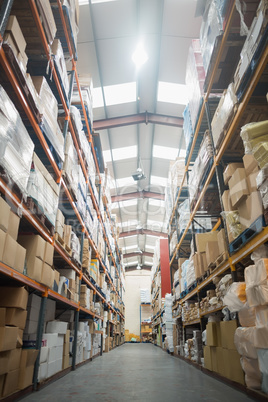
(139, 194)
(143, 232)
(138, 118)
(137, 254)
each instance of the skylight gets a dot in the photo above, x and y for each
(130, 237)
(128, 223)
(107, 156)
(97, 97)
(124, 153)
(157, 203)
(182, 153)
(119, 94)
(172, 93)
(131, 263)
(130, 247)
(125, 204)
(124, 182)
(158, 181)
(149, 246)
(165, 152)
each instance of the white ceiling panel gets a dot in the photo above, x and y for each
(167, 136)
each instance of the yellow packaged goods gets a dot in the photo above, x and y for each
(94, 269)
(254, 130)
(261, 153)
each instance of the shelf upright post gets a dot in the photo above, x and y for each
(4, 15)
(40, 330)
(76, 318)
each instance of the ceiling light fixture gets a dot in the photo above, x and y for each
(138, 267)
(139, 174)
(139, 57)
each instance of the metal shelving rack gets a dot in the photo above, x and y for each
(258, 239)
(27, 214)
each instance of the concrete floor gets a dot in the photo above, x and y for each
(137, 372)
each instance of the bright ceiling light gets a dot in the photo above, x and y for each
(107, 156)
(124, 153)
(139, 57)
(138, 267)
(119, 94)
(182, 153)
(124, 182)
(157, 203)
(172, 93)
(97, 98)
(158, 181)
(165, 152)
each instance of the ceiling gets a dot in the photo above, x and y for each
(108, 35)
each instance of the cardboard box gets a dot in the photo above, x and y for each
(250, 209)
(13, 225)
(214, 363)
(67, 235)
(14, 28)
(202, 260)
(13, 297)
(20, 258)
(14, 359)
(31, 327)
(28, 357)
(8, 338)
(207, 358)
(16, 317)
(220, 361)
(25, 377)
(197, 269)
(65, 361)
(60, 217)
(9, 254)
(34, 268)
(229, 171)
(2, 317)
(212, 251)
(42, 374)
(47, 277)
(252, 181)
(232, 366)
(250, 164)
(49, 253)
(213, 334)
(201, 240)
(11, 382)
(227, 334)
(4, 215)
(238, 187)
(226, 200)
(2, 243)
(222, 244)
(4, 363)
(35, 246)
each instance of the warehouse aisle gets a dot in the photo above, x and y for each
(137, 372)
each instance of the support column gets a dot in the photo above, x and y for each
(165, 268)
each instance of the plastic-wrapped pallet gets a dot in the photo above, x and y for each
(223, 114)
(59, 60)
(184, 268)
(71, 167)
(190, 273)
(187, 128)
(16, 150)
(254, 136)
(257, 283)
(211, 28)
(75, 246)
(263, 364)
(176, 172)
(195, 77)
(184, 215)
(43, 189)
(86, 86)
(48, 107)
(145, 296)
(81, 193)
(169, 322)
(252, 42)
(200, 165)
(262, 185)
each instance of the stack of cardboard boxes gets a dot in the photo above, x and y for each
(39, 259)
(220, 354)
(11, 252)
(16, 365)
(242, 198)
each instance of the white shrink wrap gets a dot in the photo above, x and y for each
(247, 316)
(261, 316)
(260, 337)
(256, 283)
(244, 342)
(263, 364)
(235, 297)
(252, 372)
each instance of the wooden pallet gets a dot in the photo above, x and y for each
(221, 259)
(59, 240)
(212, 266)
